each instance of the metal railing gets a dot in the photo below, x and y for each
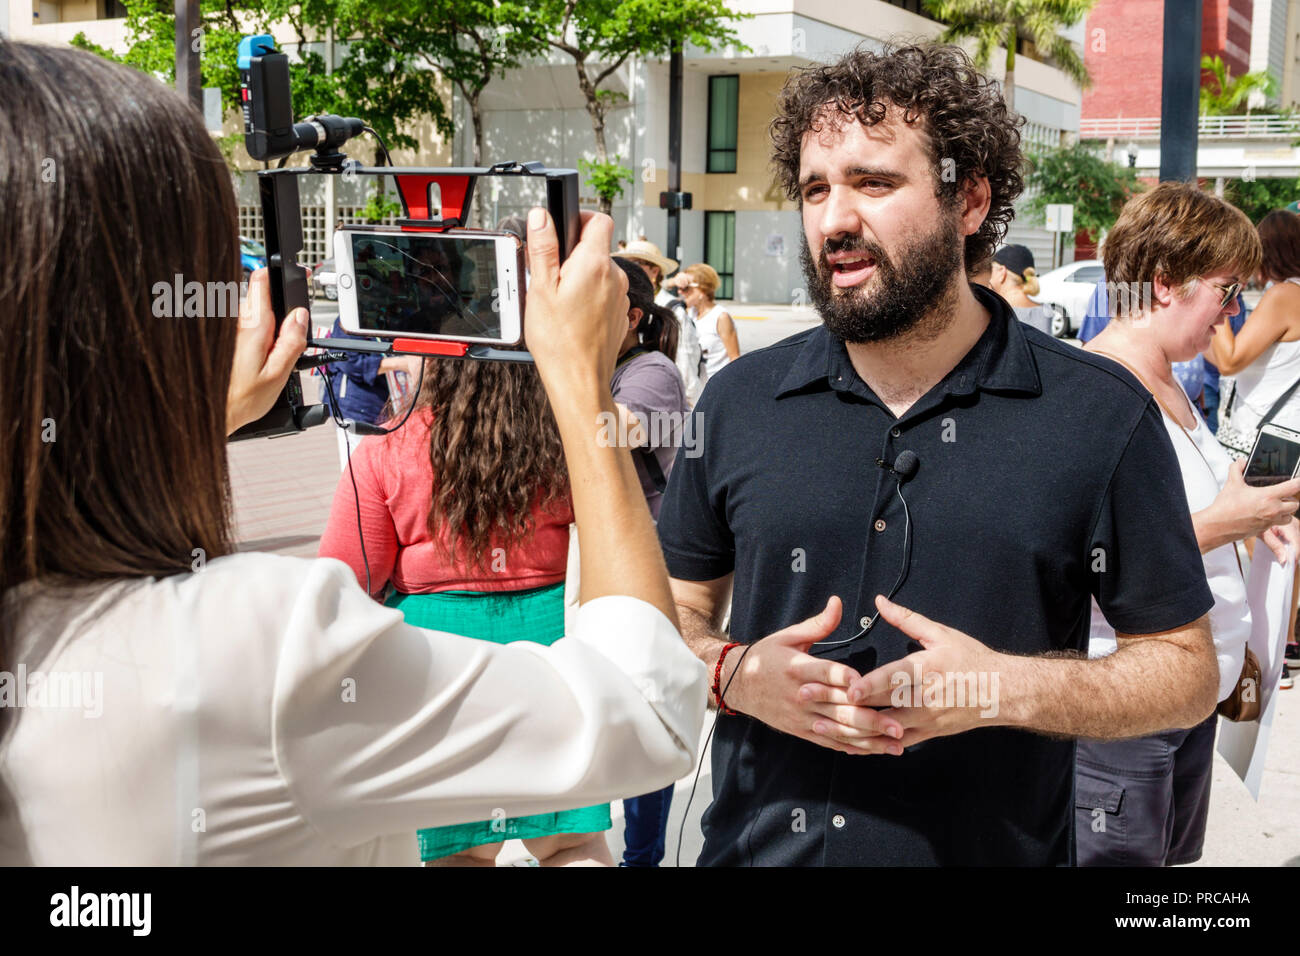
(1222, 127)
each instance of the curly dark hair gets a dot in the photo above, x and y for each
(960, 109)
(495, 450)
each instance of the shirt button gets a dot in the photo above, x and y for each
(880, 524)
(896, 432)
(864, 622)
(837, 821)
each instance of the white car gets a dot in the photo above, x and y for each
(1067, 290)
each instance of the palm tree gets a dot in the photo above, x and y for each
(1226, 94)
(993, 23)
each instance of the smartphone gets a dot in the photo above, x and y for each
(1275, 457)
(459, 285)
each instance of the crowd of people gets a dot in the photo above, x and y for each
(954, 589)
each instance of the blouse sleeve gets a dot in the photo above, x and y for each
(379, 727)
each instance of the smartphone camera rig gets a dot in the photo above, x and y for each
(270, 133)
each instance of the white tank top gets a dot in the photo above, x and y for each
(1262, 383)
(711, 347)
(1204, 465)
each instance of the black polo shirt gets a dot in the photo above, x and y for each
(1046, 477)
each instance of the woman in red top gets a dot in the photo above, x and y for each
(464, 515)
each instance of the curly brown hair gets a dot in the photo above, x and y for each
(960, 109)
(495, 450)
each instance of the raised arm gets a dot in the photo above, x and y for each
(381, 727)
(575, 356)
(1273, 319)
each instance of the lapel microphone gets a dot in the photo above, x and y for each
(904, 466)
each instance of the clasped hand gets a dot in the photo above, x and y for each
(949, 686)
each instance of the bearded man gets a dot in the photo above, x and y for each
(924, 445)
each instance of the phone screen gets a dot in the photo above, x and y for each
(435, 285)
(1274, 460)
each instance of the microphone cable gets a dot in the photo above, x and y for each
(348, 425)
(903, 469)
(681, 831)
(909, 463)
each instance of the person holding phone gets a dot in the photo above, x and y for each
(259, 709)
(1193, 252)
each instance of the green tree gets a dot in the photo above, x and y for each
(1095, 186)
(994, 23)
(1223, 94)
(1259, 197)
(467, 41)
(600, 35)
(383, 78)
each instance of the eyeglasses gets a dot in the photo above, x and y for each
(1229, 291)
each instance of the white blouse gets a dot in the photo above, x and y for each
(1204, 465)
(265, 710)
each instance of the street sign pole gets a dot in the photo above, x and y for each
(674, 150)
(1180, 90)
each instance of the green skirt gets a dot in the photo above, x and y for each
(536, 615)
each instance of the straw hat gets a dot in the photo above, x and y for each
(648, 252)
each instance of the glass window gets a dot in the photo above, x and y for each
(724, 95)
(720, 249)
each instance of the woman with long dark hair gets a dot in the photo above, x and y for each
(464, 521)
(235, 707)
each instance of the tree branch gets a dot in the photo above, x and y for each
(600, 77)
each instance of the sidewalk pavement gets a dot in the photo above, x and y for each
(282, 492)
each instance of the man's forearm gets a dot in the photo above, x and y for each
(703, 638)
(1148, 685)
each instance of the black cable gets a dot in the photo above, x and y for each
(341, 422)
(898, 582)
(388, 160)
(356, 495)
(681, 831)
(902, 576)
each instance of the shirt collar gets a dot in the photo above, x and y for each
(1000, 361)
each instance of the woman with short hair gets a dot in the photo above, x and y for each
(719, 344)
(1189, 252)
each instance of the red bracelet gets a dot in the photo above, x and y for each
(717, 680)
